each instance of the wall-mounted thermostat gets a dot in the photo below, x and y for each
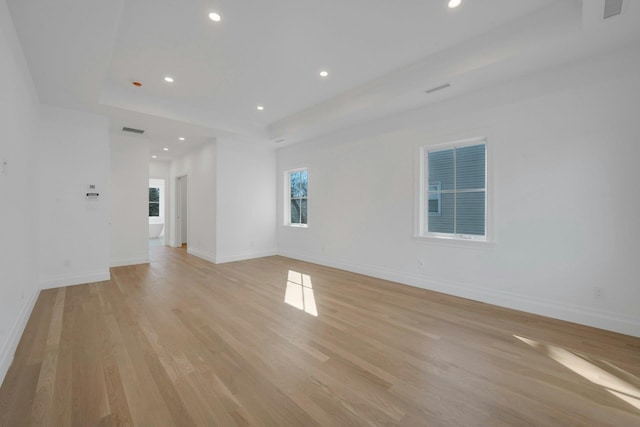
(92, 193)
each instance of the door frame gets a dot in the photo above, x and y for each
(178, 210)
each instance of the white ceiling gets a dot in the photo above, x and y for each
(381, 55)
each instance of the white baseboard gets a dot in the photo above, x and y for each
(129, 261)
(616, 322)
(246, 255)
(9, 350)
(220, 259)
(208, 256)
(61, 280)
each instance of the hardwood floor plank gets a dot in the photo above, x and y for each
(42, 407)
(18, 412)
(185, 342)
(91, 401)
(16, 402)
(62, 395)
(146, 403)
(119, 413)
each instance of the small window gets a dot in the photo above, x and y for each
(297, 193)
(454, 190)
(154, 201)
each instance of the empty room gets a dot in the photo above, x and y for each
(335, 213)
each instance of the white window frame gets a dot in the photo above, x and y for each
(160, 184)
(422, 214)
(155, 203)
(287, 198)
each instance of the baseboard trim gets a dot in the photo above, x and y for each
(9, 350)
(246, 255)
(129, 261)
(616, 322)
(62, 280)
(207, 256)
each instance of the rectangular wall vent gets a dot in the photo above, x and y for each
(132, 130)
(437, 88)
(612, 8)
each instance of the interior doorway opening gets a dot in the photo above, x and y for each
(157, 198)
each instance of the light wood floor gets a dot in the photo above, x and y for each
(185, 342)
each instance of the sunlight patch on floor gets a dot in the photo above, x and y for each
(299, 293)
(619, 388)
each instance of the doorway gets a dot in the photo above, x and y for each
(182, 211)
(156, 212)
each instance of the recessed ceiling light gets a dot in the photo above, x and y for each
(181, 138)
(154, 157)
(165, 149)
(324, 73)
(168, 79)
(260, 107)
(215, 17)
(454, 3)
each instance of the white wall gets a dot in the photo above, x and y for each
(18, 192)
(246, 201)
(159, 169)
(564, 146)
(73, 231)
(162, 170)
(128, 196)
(200, 167)
(231, 200)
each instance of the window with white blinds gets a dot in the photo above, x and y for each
(454, 190)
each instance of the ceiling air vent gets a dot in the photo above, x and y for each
(278, 141)
(437, 88)
(132, 130)
(612, 8)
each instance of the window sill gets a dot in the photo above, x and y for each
(303, 226)
(450, 241)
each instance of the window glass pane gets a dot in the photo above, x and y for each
(303, 183)
(443, 223)
(295, 178)
(433, 203)
(154, 194)
(433, 199)
(456, 191)
(303, 211)
(154, 209)
(440, 164)
(470, 167)
(470, 212)
(295, 211)
(293, 182)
